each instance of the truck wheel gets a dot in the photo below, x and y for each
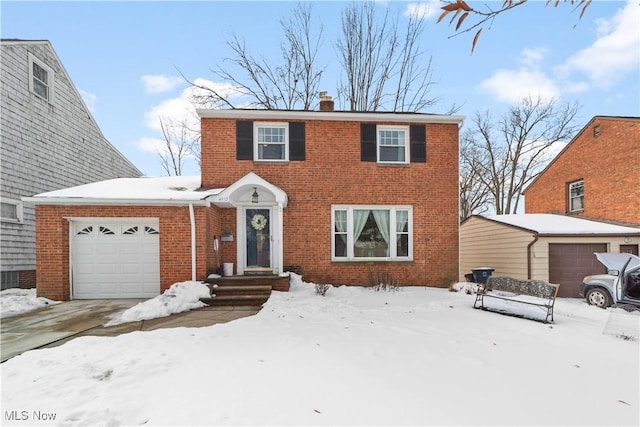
(598, 297)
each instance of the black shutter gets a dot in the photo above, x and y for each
(418, 141)
(296, 141)
(368, 142)
(244, 140)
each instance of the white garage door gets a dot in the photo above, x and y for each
(115, 259)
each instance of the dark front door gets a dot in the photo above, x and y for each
(570, 262)
(258, 235)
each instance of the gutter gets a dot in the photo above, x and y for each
(529, 246)
(72, 201)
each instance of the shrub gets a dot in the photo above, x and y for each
(383, 281)
(322, 289)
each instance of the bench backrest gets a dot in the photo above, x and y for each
(536, 288)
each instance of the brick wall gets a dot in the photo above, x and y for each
(333, 174)
(608, 164)
(52, 236)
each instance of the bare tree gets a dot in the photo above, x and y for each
(179, 143)
(382, 65)
(474, 194)
(461, 11)
(512, 151)
(290, 84)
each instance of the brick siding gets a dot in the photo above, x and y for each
(333, 174)
(608, 164)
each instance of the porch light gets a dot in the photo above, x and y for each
(254, 196)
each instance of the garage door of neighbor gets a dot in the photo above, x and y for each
(115, 259)
(570, 262)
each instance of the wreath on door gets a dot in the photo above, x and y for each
(259, 222)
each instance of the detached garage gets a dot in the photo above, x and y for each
(555, 248)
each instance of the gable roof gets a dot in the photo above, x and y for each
(621, 118)
(559, 225)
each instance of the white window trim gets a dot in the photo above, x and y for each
(350, 243)
(19, 211)
(571, 198)
(380, 128)
(50, 83)
(256, 126)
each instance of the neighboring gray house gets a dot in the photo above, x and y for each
(48, 141)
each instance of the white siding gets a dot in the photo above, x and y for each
(44, 145)
(485, 243)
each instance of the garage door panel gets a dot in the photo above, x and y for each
(570, 262)
(111, 260)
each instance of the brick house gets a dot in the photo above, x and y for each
(596, 176)
(48, 140)
(338, 196)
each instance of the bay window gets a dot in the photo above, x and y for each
(372, 232)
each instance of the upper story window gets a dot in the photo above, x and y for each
(365, 233)
(576, 196)
(11, 210)
(393, 144)
(272, 141)
(40, 78)
(386, 144)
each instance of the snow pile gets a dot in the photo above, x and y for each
(415, 356)
(16, 301)
(182, 296)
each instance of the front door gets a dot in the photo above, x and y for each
(258, 240)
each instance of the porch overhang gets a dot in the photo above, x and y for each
(240, 193)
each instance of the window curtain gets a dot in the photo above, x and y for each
(402, 217)
(382, 221)
(359, 221)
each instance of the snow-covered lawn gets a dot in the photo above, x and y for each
(416, 356)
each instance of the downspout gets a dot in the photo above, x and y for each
(193, 242)
(529, 246)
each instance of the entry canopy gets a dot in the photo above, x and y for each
(241, 192)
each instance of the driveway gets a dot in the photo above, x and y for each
(54, 325)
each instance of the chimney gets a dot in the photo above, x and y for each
(326, 102)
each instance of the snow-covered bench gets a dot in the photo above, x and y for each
(532, 292)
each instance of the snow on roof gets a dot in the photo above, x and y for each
(170, 188)
(560, 224)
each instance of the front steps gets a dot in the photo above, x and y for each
(249, 290)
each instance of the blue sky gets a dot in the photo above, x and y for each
(124, 56)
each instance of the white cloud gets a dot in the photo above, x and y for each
(424, 10)
(615, 53)
(511, 86)
(160, 83)
(89, 99)
(150, 145)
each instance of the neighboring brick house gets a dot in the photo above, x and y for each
(596, 176)
(48, 141)
(339, 196)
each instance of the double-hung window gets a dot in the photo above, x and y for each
(272, 141)
(393, 144)
(362, 233)
(40, 78)
(576, 196)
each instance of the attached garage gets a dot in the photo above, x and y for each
(115, 258)
(556, 248)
